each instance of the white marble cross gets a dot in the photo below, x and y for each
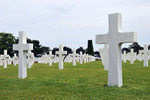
(140, 56)
(1, 60)
(15, 60)
(87, 58)
(30, 59)
(22, 47)
(74, 57)
(50, 58)
(124, 56)
(146, 53)
(45, 58)
(5, 59)
(61, 53)
(78, 57)
(9, 60)
(81, 57)
(132, 56)
(114, 38)
(84, 57)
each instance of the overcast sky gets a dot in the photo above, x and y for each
(73, 22)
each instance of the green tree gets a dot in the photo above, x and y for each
(90, 50)
(6, 43)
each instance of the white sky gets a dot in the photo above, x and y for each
(73, 22)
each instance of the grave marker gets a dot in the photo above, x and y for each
(22, 47)
(74, 57)
(5, 57)
(146, 53)
(114, 38)
(61, 53)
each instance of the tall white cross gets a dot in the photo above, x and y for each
(114, 38)
(81, 57)
(74, 57)
(146, 53)
(5, 59)
(61, 53)
(22, 47)
(50, 58)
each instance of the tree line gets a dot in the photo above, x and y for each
(7, 40)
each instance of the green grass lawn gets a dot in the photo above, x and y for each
(82, 82)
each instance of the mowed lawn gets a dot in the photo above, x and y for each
(82, 82)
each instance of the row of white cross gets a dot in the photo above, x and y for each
(131, 56)
(6, 59)
(69, 58)
(143, 55)
(114, 38)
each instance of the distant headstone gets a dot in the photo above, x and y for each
(5, 59)
(146, 53)
(1, 60)
(45, 58)
(50, 56)
(81, 57)
(9, 60)
(132, 56)
(84, 57)
(140, 56)
(114, 38)
(30, 59)
(61, 53)
(22, 47)
(124, 56)
(74, 57)
(87, 58)
(15, 60)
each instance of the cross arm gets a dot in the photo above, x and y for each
(127, 37)
(102, 39)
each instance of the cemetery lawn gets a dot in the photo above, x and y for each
(82, 82)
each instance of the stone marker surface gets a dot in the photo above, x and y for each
(15, 60)
(114, 38)
(146, 53)
(5, 59)
(61, 53)
(81, 57)
(50, 58)
(22, 47)
(132, 56)
(74, 57)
